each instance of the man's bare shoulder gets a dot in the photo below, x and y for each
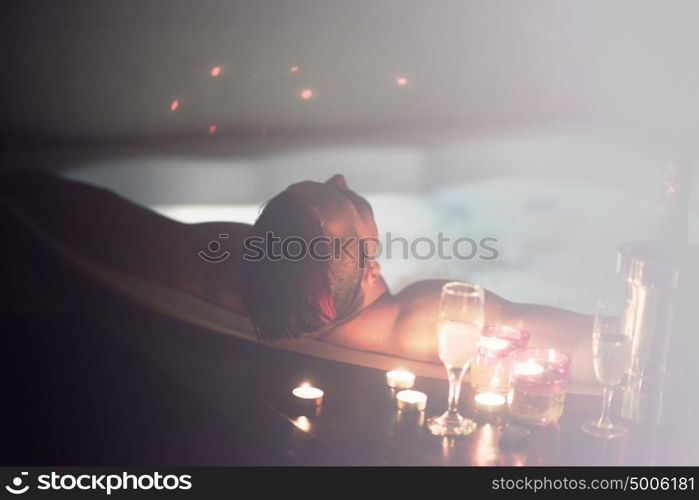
(419, 297)
(401, 324)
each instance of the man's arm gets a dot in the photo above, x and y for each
(563, 330)
(405, 325)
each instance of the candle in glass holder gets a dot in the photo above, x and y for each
(490, 371)
(400, 379)
(490, 401)
(539, 379)
(529, 368)
(518, 337)
(411, 400)
(308, 399)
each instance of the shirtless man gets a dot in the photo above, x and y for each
(344, 299)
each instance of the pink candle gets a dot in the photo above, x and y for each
(490, 371)
(539, 381)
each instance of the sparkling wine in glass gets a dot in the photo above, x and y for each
(611, 354)
(459, 325)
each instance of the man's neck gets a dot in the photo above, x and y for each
(374, 293)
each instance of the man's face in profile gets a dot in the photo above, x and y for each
(344, 214)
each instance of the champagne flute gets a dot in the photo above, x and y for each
(459, 324)
(611, 353)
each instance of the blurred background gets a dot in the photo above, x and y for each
(544, 124)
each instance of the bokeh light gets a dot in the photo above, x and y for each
(294, 69)
(306, 94)
(212, 129)
(174, 105)
(303, 423)
(215, 71)
(402, 81)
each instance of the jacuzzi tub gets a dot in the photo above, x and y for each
(558, 206)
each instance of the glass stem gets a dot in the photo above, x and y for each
(604, 420)
(455, 376)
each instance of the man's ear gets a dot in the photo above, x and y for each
(372, 271)
(338, 180)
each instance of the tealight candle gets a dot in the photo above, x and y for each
(400, 379)
(528, 369)
(491, 367)
(517, 337)
(493, 343)
(410, 419)
(308, 399)
(305, 391)
(490, 401)
(411, 400)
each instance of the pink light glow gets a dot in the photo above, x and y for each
(306, 94)
(174, 105)
(212, 129)
(215, 71)
(402, 81)
(294, 69)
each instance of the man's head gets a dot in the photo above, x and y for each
(312, 266)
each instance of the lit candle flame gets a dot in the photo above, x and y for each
(493, 343)
(531, 367)
(400, 379)
(306, 391)
(489, 400)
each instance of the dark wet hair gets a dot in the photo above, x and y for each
(286, 298)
